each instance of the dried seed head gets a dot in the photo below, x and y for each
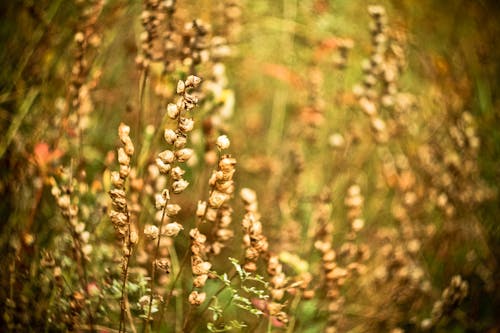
(170, 136)
(200, 280)
(173, 209)
(134, 237)
(184, 154)
(172, 110)
(151, 232)
(357, 224)
(179, 186)
(186, 124)
(223, 142)
(201, 208)
(196, 298)
(163, 167)
(181, 87)
(201, 268)
(216, 199)
(123, 158)
(176, 173)
(248, 196)
(336, 140)
(173, 229)
(167, 156)
(163, 264)
(160, 201)
(193, 81)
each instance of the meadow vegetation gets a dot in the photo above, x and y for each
(249, 166)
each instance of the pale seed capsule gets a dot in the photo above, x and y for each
(202, 268)
(248, 196)
(172, 111)
(163, 264)
(192, 81)
(164, 168)
(225, 234)
(123, 158)
(196, 298)
(179, 186)
(184, 154)
(176, 173)
(64, 201)
(201, 208)
(216, 199)
(128, 146)
(160, 201)
(123, 131)
(378, 124)
(181, 87)
(357, 224)
(124, 171)
(173, 229)
(211, 214)
(134, 238)
(173, 209)
(170, 136)
(167, 156)
(197, 236)
(151, 231)
(186, 124)
(200, 280)
(223, 142)
(180, 142)
(116, 180)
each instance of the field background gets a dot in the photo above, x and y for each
(289, 99)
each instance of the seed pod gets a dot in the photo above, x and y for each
(173, 229)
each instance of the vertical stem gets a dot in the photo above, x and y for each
(146, 327)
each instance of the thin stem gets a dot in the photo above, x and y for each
(171, 292)
(269, 324)
(221, 289)
(123, 302)
(145, 327)
(293, 309)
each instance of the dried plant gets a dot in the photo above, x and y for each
(360, 155)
